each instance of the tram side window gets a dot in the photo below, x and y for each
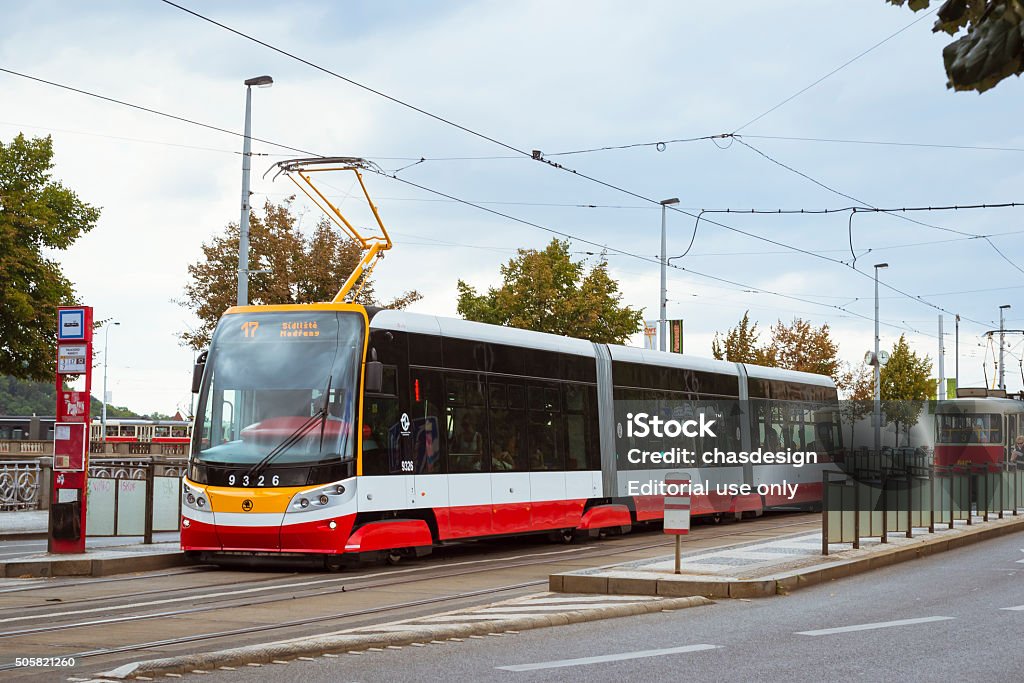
(426, 411)
(507, 413)
(466, 424)
(380, 436)
(545, 428)
(963, 429)
(576, 426)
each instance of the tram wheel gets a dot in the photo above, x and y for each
(393, 556)
(716, 518)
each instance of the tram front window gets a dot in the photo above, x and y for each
(279, 391)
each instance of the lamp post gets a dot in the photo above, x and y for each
(1002, 335)
(663, 299)
(878, 370)
(106, 363)
(243, 221)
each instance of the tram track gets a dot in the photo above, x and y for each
(197, 618)
(383, 579)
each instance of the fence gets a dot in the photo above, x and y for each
(19, 485)
(880, 494)
(133, 497)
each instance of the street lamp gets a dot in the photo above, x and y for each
(878, 369)
(243, 222)
(663, 299)
(1002, 334)
(106, 363)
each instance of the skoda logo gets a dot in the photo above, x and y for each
(246, 505)
(405, 422)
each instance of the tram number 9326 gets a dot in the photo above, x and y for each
(246, 480)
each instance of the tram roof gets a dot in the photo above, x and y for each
(631, 354)
(457, 328)
(974, 406)
(779, 374)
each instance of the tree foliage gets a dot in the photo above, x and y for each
(36, 213)
(547, 291)
(740, 344)
(27, 397)
(906, 384)
(796, 346)
(992, 47)
(297, 269)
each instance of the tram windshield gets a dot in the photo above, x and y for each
(280, 389)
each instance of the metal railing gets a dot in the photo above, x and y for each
(878, 494)
(20, 485)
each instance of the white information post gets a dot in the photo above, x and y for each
(677, 510)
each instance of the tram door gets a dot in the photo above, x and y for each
(1010, 430)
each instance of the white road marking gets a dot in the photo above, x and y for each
(608, 658)
(591, 598)
(543, 608)
(1018, 608)
(869, 627)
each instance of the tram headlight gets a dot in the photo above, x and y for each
(304, 503)
(339, 489)
(190, 499)
(201, 502)
(323, 499)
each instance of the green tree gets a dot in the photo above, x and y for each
(796, 346)
(992, 47)
(857, 383)
(906, 385)
(739, 344)
(547, 291)
(804, 347)
(295, 269)
(36, 213)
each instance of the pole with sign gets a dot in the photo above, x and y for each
(71, 432)
(677, 510)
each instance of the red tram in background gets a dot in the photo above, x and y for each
(977, 431)
(126, 430)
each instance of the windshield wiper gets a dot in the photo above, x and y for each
(298, 434)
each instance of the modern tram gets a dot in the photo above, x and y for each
(977, 431)
(347, 432)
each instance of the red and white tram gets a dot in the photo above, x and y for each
(977, 431)
(140, 430)
(344, 431)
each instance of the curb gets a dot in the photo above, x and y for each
(240, 656)
(46, 568)
(775, 584)
(24, 536)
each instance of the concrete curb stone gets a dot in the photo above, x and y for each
(781, 583)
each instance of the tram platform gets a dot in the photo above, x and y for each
(772, 567)
(23, 551)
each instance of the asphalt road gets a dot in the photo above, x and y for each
(953, 616)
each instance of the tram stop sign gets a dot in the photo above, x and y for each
(677, 506)
(677, 510)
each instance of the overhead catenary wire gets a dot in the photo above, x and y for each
(834, 71)
(538, 157)
(898, 215)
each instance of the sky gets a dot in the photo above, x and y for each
(554, 77)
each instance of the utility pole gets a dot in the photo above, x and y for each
(1002, 350)
(941, 393)
(956, 351)
(878, 370)
(663, 298)
(243, 221)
